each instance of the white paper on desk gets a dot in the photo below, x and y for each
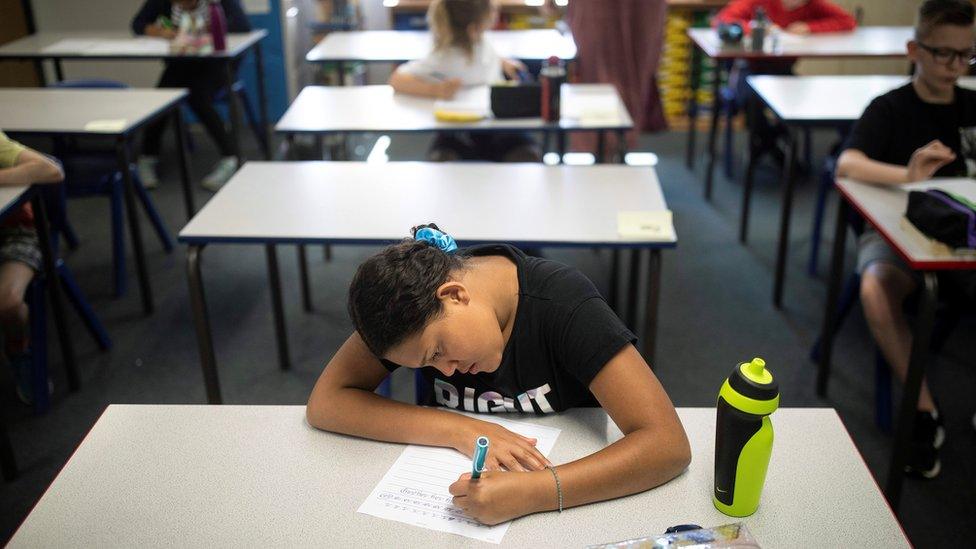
(474, 100)
(69, 45)
(134, 46)
(110, 125)
(591, 108)
(414, 490)
(655, 225)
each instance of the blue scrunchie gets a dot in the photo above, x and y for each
(438, 239)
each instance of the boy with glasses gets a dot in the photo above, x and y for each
(914, 133)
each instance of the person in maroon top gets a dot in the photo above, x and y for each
(796, 16)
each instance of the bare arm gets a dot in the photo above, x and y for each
(403, 82)
(654, 450)
(31, 167)
(925, 161)
(159, 31)
(343, 401)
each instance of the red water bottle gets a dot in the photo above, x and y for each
(552, 76)
(218, 26)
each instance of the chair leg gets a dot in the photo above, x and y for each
(826, 184)
(882, 392)
(70, 236)
(118, 238)
(157, 221)
(83, 308)
(728, 154)
(38, 334)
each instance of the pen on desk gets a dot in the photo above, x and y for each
(480, 454)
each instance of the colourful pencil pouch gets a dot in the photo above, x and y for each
(944, 217)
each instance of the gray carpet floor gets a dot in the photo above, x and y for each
(715, 311)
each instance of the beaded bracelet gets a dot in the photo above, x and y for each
(559, 488)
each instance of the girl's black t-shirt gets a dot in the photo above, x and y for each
(564, 334)
(897, 123)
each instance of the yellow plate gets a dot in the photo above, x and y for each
(457, 116)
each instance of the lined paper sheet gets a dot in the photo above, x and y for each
(414, 490)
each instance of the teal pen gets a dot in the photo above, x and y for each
(480, 454)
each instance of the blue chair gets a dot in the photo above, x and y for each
(91, 172)
(825, 187)
(35, 297)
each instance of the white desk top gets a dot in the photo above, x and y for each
(397, 46)
(884, 207)
(259, 476)
(113, 45)
(377, 203)
(331, 109)
(73, 111)
(826, 99)
(862, 42)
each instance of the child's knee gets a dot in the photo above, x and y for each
(11, 304)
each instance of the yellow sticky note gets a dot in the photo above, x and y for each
(646, 225)
(106, 125)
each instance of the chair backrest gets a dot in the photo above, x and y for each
(90, 83)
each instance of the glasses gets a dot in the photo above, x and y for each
(948, 56)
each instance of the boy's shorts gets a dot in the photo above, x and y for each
(953, 285)
(486, 146)
(20, 244)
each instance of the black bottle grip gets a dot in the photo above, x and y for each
(733, 429)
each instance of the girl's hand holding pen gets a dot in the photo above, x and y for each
(501, 495)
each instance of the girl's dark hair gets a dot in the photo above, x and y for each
(449, 21)
(394, 293)
(934, 13)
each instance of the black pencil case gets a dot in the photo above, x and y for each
(516, 101)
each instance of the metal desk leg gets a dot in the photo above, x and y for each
(201, 323)
(784, 217)
(281, 336)
(651, 307)
(913, 384)
(58, 70)
(180, 128)
(696, 61)
(122, 149)
(235, 112)
(622, 147)
(755, 151)
(262, 99)
(614, 286)
(54, 291)
(633, 288)
(833, 290)
(713, 130)
(303, 276)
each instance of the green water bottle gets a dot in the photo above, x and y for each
(743, 437)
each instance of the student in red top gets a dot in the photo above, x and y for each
(792, 16)
(796, 16)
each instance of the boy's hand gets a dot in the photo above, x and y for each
(798, 27)
(927, 160)
(447, 88)
(160, 31)
(499, 496)
(508, 450)
(512, 67)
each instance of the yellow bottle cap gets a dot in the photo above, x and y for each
(756, 371)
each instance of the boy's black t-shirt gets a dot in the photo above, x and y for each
(564, 334)
(897, 123)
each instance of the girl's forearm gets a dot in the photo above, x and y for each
(409, 84)
(633, 464)
(365, 414)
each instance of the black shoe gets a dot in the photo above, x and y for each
(928, 438)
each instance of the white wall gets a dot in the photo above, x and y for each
(80, 15)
